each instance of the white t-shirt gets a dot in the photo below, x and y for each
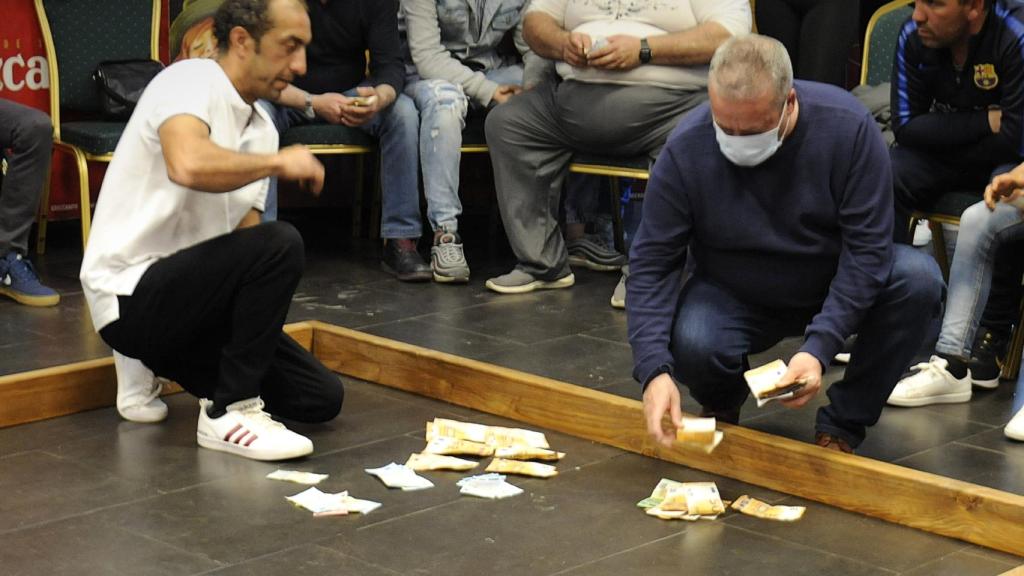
(644, 18)
(141, 215)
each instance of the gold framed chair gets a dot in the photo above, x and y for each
(78, 35)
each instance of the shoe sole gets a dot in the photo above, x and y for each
(29, 300)
(450, 279)
(415, 277)
(531, 286)
(955, 398)
(618, 304)
(144, 414)
(986, 384)
(1019, 436)
(232, 448)
(582, 262)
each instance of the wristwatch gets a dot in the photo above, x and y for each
(645, 51)
(308, 111)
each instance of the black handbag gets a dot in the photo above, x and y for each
(120, 83)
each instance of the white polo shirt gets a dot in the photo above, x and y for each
(644, 18)
(141, 215)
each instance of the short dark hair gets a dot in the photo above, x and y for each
(253, 15)
(986, 6)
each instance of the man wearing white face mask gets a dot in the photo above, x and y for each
(782, 193)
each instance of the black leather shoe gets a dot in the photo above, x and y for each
(401, 259)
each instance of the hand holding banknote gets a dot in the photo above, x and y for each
(660, 398)
(805, 368)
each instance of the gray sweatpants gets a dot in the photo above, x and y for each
(29, 135)
(533, 136)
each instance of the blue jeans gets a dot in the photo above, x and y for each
(970, 275)
(714, 332)
(442, 108)
(397, 130)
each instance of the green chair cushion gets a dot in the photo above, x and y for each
(92, 137)
(952, 203)
(326, 135)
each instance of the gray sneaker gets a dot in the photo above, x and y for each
(591, 252)
(447, 258)
(519, 282)
(619, 295)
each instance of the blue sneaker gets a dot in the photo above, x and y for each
(18, 280)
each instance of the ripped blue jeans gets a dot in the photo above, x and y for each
(443, 107)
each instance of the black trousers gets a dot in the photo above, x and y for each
(209, 317)
(817, 34)
(919, 179)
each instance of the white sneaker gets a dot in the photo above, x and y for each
(138, 391)
(1015, 429)
(932, 384)
(922, 233)
(842, 358)
(619, 295)
(246, 430)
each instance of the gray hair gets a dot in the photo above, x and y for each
(748, 66)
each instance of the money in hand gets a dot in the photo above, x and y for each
(700, 433)
(764, 384)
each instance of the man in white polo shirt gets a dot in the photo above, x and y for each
(627, 72)
(179, 275)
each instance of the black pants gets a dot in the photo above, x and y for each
(919, 179)
(209, 317)
(817, 34)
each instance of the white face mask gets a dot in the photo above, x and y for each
(751, 149)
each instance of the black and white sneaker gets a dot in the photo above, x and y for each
(447, 258)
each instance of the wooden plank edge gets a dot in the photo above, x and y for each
(1018, 571)
(61, 390)
(921, 500)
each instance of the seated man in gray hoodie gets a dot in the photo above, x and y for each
(454, 46)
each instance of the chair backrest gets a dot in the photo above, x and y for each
(79, 34)
(880, 41)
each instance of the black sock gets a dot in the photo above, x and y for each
(215, 411)
(957, 366)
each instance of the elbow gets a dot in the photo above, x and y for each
(181, 172)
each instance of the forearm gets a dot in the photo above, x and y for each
(292, 97)
(544, 36)
(691, 47)
(211, 168)
(943, 130)
(251, 218)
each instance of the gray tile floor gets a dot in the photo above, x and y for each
(91, 494)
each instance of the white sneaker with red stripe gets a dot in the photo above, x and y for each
(246, 430)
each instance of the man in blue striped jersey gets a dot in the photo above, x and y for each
(958, 116)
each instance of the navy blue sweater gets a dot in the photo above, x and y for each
(807, 230)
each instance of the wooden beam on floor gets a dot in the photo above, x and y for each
(62, 390)
(969, 512)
